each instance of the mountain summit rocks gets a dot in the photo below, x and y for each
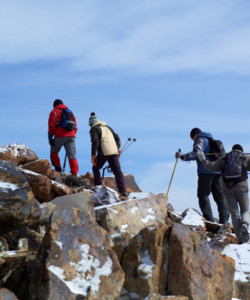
(65, 240)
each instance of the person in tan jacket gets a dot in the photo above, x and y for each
(234, 187)
(105, 145)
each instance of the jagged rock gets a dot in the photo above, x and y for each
(81, 181)
(80, 261)
(18, 153)
(131, 185)
(43, 167)
(33, 237)
(4, 246)
(104, 195)
(80, 200)
(125, 219)
(195, 270)
(18, 206)
(174, 216)
(145, 262)
(222, 238)
(13, 260)
(193, 218)
(212, 226)
(43, 188)
(5, 294)
(242, 274)
(242, 290)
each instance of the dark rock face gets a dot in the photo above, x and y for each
(80, 261)
(129, 181)
(145, 261)
(202, 273)
(18, 206)
(41, 166)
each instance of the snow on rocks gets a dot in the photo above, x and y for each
(18, 153)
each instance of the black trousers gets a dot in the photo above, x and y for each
(114, 164)
(208, 183)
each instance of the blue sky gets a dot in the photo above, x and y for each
(152, 70)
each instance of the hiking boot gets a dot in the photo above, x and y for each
(124, 194)
(244, 233)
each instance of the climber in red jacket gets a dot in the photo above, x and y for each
(59, 136)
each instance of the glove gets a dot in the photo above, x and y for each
(93, 160)
(178, 154)
(119, 153)
(201, 155)
(51, 140)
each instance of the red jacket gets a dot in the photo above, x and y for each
(55, 119)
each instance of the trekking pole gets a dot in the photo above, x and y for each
(128, 140)
(172, 174)
(64, 164)
(125, 148)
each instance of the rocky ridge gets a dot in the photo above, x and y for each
(62, 238)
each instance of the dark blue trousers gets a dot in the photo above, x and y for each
(114, 164)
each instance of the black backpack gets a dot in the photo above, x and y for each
(67, 119)
(234, 169)
(216, 149)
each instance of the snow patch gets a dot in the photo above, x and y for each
(193, 218)
(146, 267)
(81, 282)
(241, 255)
(60, 244)
(150, 210)
(147, 218)
(5, 187)
(134, 210)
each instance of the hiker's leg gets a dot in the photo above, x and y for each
(55, 160)
(234, 211)
(116, 169)
(70, 148)
(243, 200)
(100, 161)
(216, 188)
(204, 189)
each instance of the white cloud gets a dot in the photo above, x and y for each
(139, 36)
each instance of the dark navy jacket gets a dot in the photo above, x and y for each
(201, 144)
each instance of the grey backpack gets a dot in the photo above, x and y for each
(234, 169)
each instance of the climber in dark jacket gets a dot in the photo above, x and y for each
(207, 181)
(105, 143)
(236, 193)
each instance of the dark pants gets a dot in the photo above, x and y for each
(208, 183)
(114, 164)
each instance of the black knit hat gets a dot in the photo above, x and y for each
(57, 102)
(237, 147)
(92, 119)
(194, 131)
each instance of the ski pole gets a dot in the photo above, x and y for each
(128, 140)
(64, 162)
(172, 174)
(125, 148)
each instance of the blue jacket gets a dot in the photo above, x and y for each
(201, 144)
